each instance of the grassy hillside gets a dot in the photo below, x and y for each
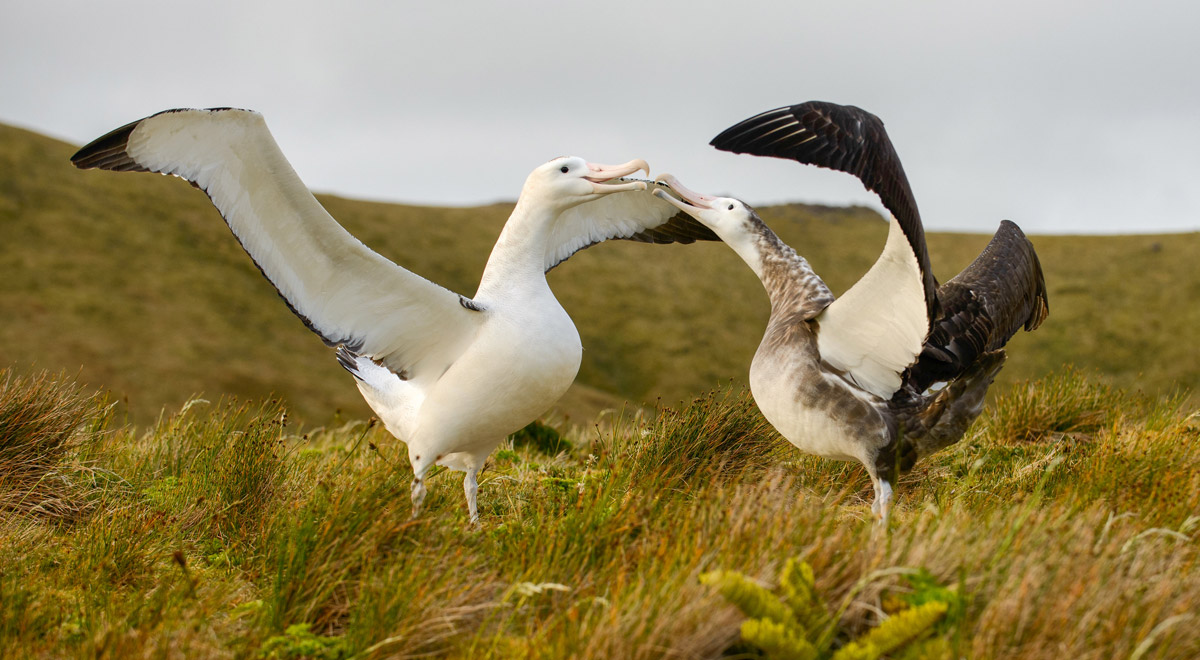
(1063, 526)
(133, 282)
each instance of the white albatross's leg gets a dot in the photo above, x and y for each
(471, 488)
(418, 492)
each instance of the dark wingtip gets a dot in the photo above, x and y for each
(734, 139)
(1041, 310)
(1009, 225)
(1041, 299)
(1015, 247)
(107, 152)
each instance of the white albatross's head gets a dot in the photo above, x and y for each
(569, 181)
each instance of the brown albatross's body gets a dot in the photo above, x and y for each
(850, 378)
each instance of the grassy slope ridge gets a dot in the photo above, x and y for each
(134, 282)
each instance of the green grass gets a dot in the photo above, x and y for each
(134, 283)
(1065, 523)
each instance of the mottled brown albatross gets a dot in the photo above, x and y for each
(896, 368)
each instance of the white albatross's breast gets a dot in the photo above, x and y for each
(525, 357)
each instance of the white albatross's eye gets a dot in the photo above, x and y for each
(564, 169)
(731, 207)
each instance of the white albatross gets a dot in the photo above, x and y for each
(851, 378)
(450, 376)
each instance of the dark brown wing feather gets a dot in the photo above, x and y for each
(682, 228)
(983, 307)
(107, 152)
(842, 138)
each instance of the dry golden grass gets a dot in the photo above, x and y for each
(47, 429)
(222, 534)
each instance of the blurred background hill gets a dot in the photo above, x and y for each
(135, 284)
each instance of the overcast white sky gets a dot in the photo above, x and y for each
(1067, 117)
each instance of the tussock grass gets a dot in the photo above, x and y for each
(226, 534)
(716, 435)
(219, 467)
(1065, 403)
(45, 422)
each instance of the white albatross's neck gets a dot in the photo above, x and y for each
(517, 264)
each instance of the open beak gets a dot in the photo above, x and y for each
(600, 175)
(688, 199)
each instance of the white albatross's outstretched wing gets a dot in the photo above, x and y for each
(634, 215)
(340, 288)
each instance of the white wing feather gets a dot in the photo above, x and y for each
(345, 291)
(877, 328)
(616, 215)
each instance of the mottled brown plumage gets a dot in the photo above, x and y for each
(850, 378)
(983, 306)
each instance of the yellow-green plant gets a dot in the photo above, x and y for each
(796, 624)
(896, 631)
(298, 641)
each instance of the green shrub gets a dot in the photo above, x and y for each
(298, 641)
(541, 438)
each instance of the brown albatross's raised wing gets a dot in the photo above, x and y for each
(843, 138)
